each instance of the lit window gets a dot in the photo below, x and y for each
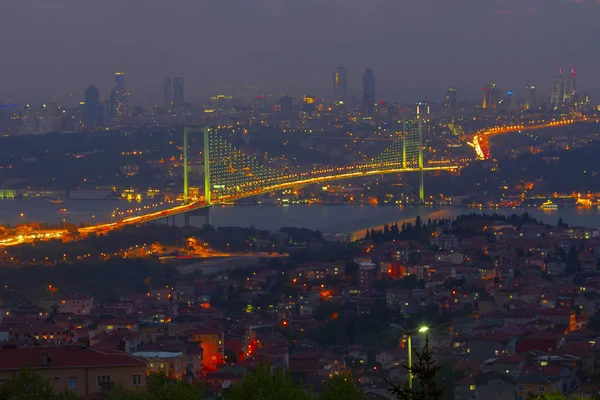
(472, 387)
(136, 380)
(72, 382)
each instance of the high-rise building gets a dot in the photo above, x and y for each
(531, 97)
(178, 97)
(490, 98)
(168, 94)
(369, 84)
(118, 97)
(450, 102)
(104, 113)
(513, 103)
(570, 89)
(340, 84)
(286, 107)
(368, 100)
(422, 108)
(558, 90)
(582, 102)
(45, 120)
(309, 104)
(90, 107)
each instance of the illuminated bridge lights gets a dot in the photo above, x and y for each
(234, 175)
(482, 152)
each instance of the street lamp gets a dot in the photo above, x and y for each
(409, 334)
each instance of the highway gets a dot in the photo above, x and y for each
(303, 180)
(498, 130)
(181, 209)
(287, 182)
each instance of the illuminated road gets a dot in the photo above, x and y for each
(46, 235)
(292, 181)
(303, 179)
(181, 209)
(478, 137)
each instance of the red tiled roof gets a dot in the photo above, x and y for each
(72, 356)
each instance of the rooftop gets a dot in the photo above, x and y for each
(67, 356)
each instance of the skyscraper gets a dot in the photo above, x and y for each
(308, 105)
(340, 84)
(118, 97)
(558, 90)
(168, 94)
(531, 97)
(513, 103)
(450, 102)
(369, 84)
(422, 109)
(368, 100)
(570, 89)
(286, 107)
(90, 107)
(178, 94)
(490, 98)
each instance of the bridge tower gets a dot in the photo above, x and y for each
(404, 137)
(205, 211)
(422, 178)
(420, 154)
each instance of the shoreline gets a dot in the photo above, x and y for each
(360, 234)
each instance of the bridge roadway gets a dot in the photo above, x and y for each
(304, 180)
(184, 208)
(181, 209)
(474, 140)
(515, 128)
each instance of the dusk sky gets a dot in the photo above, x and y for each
(416, 47)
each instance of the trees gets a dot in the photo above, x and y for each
(425, 372)
(263, 384)
(341, 387)
(27, 385)
(161, 387)
(557, 396)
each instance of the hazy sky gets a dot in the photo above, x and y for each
(416, 47)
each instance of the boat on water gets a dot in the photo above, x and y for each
(548, 205)
(62, 210)
(56, 201)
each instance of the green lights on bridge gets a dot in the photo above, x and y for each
(229, 172)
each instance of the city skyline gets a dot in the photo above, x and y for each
(276, 49)
(170, 92)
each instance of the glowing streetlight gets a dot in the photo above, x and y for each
(409, 334)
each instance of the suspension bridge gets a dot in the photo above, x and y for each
(231, 174)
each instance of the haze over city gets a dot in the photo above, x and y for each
(299, 200)
(417, 48)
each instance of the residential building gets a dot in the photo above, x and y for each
(83, 370)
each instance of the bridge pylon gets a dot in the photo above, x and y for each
(206, 131)
(422, 177)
